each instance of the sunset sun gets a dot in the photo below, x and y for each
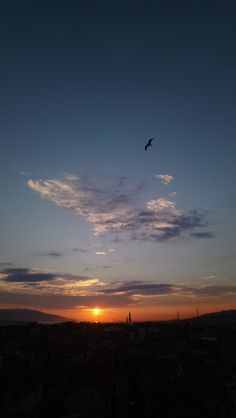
(97, 311)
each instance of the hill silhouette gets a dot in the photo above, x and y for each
(28, 315)
(229, 315)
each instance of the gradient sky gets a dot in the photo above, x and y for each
(88, 218)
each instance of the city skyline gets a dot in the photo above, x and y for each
(92, 225)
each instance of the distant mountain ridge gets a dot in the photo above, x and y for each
(28, 315)
(229, 315)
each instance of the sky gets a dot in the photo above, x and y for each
(89, 219)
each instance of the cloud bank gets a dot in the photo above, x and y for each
(114, 209)
(66, 290)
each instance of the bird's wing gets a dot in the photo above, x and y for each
(149, 143)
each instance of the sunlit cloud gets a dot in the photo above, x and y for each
(115, 210)
(210, 277)
(163, 206)
(164, 178)
(107, 252)
(215, 279)
(44, 282)
(71, 177)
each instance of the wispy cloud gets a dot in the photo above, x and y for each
(53, 254)
(202, 235)
(5, 264)
(216, 280)
(25, 173)
(164, 178)
(57, 254)
(105, 252)
(80, 250)
(114, 209)
(105, 266)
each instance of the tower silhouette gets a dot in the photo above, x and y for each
(129, 318)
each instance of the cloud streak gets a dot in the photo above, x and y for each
(25, 275)
(53, 254)
(200, 235)
(115, 210)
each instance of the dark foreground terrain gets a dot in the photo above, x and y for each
(168, 370)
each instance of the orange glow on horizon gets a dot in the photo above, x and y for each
(144, 313)
(139, 313)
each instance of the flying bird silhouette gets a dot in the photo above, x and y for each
(149, 144)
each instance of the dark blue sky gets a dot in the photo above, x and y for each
(83, 86)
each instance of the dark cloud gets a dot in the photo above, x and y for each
(116, 240)
(143, 288)
(209, 291)
(202, 235)
(26, 275)
(106, 267)
(176, 226)
(54, 254)
(51, 253)
(158, 289)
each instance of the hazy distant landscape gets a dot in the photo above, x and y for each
(28, 315)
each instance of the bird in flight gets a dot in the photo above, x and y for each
(149, 144)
